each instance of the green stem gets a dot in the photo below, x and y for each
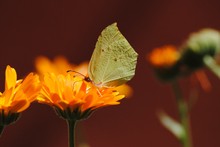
(183, 109)
(71, 132)
(1, 129)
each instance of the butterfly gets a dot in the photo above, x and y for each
(113, 61)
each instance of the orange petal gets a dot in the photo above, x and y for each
(203, 80)
(7, 96)
(125, 90)
(19, 106)
(10, 77)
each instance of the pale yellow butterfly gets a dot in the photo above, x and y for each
(113, 61)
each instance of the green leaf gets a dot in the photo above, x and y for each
(171, 125)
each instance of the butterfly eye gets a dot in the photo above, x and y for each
(87, 79)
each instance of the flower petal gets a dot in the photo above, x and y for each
(10, 77)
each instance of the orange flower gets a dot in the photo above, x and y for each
(18, 94)
(164, 57)
(60, 65)
(166, 62)
(74, 94)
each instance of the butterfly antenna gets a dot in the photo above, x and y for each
(85, 77)
(75, 72)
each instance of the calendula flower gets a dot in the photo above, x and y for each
(65, 92)
(17, 96)
(165, 61)
(164, 57)
(69, 94)
(75, 99)
(60, 65)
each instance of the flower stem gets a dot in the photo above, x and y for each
(71, 132)
(1, 129)
(183, 109)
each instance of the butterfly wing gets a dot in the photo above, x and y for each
(113, 61)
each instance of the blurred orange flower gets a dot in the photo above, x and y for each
(165, 56)
(73, 94)
(60, 65)
(166, 62)
(18, 94)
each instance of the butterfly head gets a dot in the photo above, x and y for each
(87, 79)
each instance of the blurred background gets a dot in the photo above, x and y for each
(71, 28)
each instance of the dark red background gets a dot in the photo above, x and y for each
(70, 28)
